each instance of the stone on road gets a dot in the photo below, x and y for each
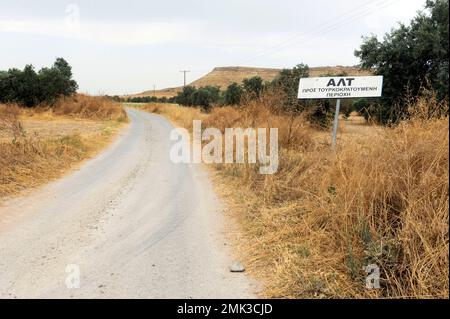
(237, 267)
(127, 224)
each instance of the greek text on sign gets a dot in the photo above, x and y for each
(346, 87)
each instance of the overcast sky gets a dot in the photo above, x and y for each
(120, 47)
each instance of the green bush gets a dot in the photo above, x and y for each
(288, 81)
(233, 94)
(410, 58)
(321, 114)
(253, 87)
(203, 97)
(29, 88)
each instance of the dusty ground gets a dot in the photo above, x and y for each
(351, 130)
(56, 127)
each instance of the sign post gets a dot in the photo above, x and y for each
(336, 123)
(340, 87)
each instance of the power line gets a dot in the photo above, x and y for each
(335, 22)
(298, 36)
(324, 28)
(356, 13)
(323, 24)
(327, 27)
(361, 11)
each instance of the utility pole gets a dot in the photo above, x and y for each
(154, 90)
(184, 72)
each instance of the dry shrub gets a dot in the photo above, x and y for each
(426, 106)
(91, 107)
(9, 120)
(264, 112)
(224, 117)
(28, 162)
(384, 204)
(312, 227)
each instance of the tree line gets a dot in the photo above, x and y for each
(143, 99)
(207, 96)
(412, 59)
(30, 88)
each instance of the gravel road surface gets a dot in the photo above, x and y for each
(132, 223)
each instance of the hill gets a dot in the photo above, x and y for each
(224, 76)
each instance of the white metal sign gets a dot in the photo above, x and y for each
(346, 87)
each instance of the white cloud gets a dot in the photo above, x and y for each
(154, 40)
(142, 33)
(104, 33)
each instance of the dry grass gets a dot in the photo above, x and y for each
(88, 107)
(37, 145)
(309, 229)
(177, 114)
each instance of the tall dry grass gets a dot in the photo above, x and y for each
(9, 120)
(314, 225)
(89, 107)
(27, 160)
(310, 229)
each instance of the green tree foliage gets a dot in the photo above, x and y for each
(57, 80)
(204, 97)
(29, 88)
(363, 107)
(288, 80)
(185, 97)
(233, 94)
(20, 87)
(320, 113)
(253, 86)
(347, 107)
(214, 92)
(410, 58)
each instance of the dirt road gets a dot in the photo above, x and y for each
(134, 224)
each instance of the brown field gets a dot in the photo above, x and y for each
(308, 230)
(37, 145)
(224, 76)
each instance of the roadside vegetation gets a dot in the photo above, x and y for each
(310, 229)
(144, 99)
(381, 198)
(46, 128)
